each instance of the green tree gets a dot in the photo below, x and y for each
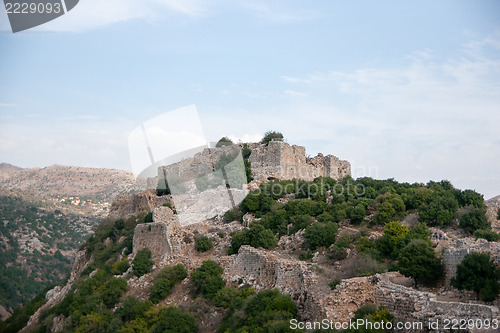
(224, 141)
(166, 279)
(203, 244)
(173, 319)
(471, 197)
(389, 206)
(393, 233)
(320, 234)
(142, 262)
(478, 272)
(474, 220)
(489, 235)
(418, 260)
(207, 278)
(113, 291)
(271, 136)
(256, 236)
(498, 214)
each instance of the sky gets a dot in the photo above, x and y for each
(403, 90)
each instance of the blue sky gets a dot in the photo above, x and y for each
(400, 89)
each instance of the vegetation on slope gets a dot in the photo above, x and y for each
(36, 248)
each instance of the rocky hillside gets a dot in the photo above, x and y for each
(45, 215)
(331, 254)
(58, 181)
(37, 248)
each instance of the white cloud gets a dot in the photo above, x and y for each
(432, 118)
(294, 93)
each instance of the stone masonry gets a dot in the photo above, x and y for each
(265, 270)
(459, 248)
(282, 161)
(406, 304)
(276, 160)
(161, 237)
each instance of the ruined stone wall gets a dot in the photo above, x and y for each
(409, 305)
(347, 297)
(276, 160)
(282, 161)
(264, 270)
(161, 237)
(406, 304)
(458, 249)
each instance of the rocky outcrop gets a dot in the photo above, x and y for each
(128, 204)
(459, 248)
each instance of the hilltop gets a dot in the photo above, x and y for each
(58, 180)
(364, 248)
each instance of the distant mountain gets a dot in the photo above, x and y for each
(57, 180)
(494, 199)
(7, 170)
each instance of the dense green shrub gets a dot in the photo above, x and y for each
(203, 244)
(271, 136)
(489, 235)
(418, 260)
(233, 214)
(132, 309)
(371, 314)
(256, 236)
(142, 262)
(320, 234)
(393, 233)
(334, 284)
(439, 211)
(224, 141)
(471, 198)
(166, 279)
(232, 297)
(478, 272)
(173, 319)
(207, 279)
(474, 220)
(389, 206)
(266, 311)
(113, 291)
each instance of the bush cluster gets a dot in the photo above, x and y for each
(479, 273)
(166, 279)
(207, 279)
(142, 262)
(203, 244)
(266, 311)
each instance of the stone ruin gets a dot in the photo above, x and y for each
(406, 304)
(163, 237)
(281, 161)
(276, 160)
(457, 249)
(264, 270)
(267, 270)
